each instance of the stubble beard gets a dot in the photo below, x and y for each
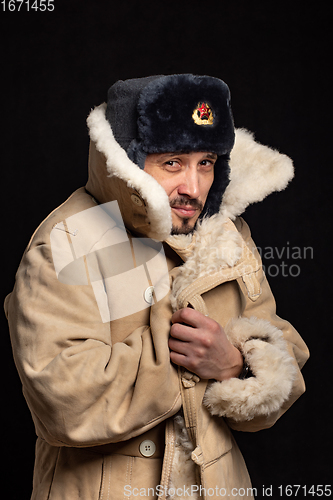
(185, 226)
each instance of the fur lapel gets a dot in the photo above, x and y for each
(216, 247)
(218, 253)
(119, 165)
(255, 172)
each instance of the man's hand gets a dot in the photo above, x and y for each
(199, 344)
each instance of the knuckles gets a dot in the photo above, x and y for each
(185, 314)
(206, 341)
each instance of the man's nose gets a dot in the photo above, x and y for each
(190, 185)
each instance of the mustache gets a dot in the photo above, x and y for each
(182, 201)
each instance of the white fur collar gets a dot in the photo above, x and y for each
(216, 245)
(255, 172)
(119, 165)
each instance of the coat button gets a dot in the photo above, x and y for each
(148, 295)
(147, 448)
(136, 200)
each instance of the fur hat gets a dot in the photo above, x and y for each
(174, 113)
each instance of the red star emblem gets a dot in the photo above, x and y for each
(203, 114)
(204, 111)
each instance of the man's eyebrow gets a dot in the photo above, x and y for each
(163, 156)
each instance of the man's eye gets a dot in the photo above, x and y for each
(172, 165)
(207, 163)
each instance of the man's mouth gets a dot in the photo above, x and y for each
(184, 211)
(186, 208)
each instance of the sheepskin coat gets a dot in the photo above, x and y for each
(90, 335)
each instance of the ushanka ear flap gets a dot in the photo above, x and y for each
(137, 154)
(221, 181)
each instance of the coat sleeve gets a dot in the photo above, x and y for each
(81, 389)
(275, 354)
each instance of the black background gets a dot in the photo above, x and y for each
(275, 58)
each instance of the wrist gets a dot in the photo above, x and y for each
(236, 366)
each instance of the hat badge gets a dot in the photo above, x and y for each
(203, 115)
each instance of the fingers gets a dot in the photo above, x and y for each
(199, 344)
(179, 359)
(184, 323)
(179, 346)
(189, 317)
(181, 332)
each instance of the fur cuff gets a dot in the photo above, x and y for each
(265, 351)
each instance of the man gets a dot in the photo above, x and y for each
(142, 325)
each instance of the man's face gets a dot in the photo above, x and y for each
(187, 179)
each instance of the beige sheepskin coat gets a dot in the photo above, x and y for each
(94, 359)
